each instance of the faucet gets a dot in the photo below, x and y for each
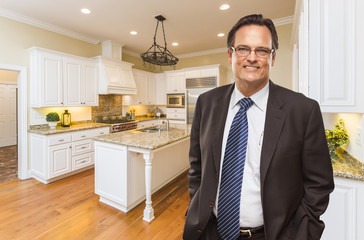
(167, 124)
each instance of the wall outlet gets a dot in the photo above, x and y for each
(358, 136)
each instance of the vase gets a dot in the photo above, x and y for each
(52, 125)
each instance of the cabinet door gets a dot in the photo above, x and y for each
(73, 81)
(160, 90)
(59, 160)
(151, 90)
(51, 74)
(176, 83)
(89, 86)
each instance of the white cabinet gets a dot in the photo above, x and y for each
(344, 217)
(56, 156)
(59, 160)
(176, 114)
(175, 82)
(160, 89)
(145, 84)
(58, 79)
(80, 82)
(328, 54)
(149, 123)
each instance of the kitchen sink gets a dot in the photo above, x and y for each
(150, 130)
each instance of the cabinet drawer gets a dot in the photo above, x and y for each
(82, 161)
(176, 111)
(100, 131)
(59, 139)
(81, 135)
(83, 146)
(176, 116)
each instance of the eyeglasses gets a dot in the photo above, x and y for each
(246, 51)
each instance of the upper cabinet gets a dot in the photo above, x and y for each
(176, 82)
(146, 85)
(214, 71)
(58, 79)
(328, 54)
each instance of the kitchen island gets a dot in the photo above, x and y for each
(124, 175)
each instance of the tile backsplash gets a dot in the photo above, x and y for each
(109, 105)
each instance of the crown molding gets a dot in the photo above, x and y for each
(283, 20)
(131, 53)
(37, 23)
(202, 53)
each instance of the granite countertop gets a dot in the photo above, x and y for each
(347, 166)
(146, 140)
(44, 129)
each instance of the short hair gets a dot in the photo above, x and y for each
(254, 19)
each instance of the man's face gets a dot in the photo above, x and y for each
(252, 70)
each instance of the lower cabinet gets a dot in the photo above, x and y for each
(344, 217)
(61, 155)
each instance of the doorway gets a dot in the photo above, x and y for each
(8, 125)
(21, 125)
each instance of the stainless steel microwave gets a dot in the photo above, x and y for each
(176, 100)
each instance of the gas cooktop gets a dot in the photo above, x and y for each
(115, 121)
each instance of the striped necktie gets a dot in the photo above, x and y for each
(228, 224)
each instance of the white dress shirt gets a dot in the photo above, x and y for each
(251, 212)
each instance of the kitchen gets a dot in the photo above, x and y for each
(15, 57)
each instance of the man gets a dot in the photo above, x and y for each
(282, 175)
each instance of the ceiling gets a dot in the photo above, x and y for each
(193, 24)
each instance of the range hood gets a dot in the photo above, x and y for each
(115, 76)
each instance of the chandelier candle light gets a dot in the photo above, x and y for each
(157, 54)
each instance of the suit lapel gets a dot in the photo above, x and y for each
(274, 122)
(220, 114)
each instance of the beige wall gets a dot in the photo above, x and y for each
(281, 72)
(16, 37)
(8, 76)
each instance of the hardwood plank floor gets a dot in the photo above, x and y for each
(70, 209)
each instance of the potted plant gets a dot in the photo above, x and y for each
(336, 138)
(52, 118)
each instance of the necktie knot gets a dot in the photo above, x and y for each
(246, 103)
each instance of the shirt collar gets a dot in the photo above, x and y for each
(260, 98)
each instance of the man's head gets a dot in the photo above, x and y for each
(252, 44)
(254, 19)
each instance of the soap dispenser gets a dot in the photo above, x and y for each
(66, 119)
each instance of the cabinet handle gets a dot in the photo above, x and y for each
(62, 103)
(60, 140)
(101, 132)
(83, 147)
(83, 161)
(83, 136)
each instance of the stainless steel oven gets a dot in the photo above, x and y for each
(176, 100)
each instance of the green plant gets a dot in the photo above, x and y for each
(336, 138)
(52, 117)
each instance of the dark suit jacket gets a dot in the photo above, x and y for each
(296, 172)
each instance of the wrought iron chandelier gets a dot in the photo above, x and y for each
(157, 54)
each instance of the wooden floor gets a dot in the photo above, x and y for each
(70, 209)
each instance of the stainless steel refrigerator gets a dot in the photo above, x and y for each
(195, 87)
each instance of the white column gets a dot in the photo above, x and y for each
(148, 211)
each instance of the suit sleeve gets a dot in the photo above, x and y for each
(194, 174)
(317, 174)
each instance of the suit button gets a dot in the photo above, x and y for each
(217, 176)
(211, 204)
(199, 231)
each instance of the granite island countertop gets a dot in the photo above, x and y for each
(45, 129)
(146, 140)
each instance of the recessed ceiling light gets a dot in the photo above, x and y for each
(175, 44)
(133, 33)
(85, 11)
(220, 34)
(224, 7)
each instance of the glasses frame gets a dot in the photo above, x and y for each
(250, 52)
